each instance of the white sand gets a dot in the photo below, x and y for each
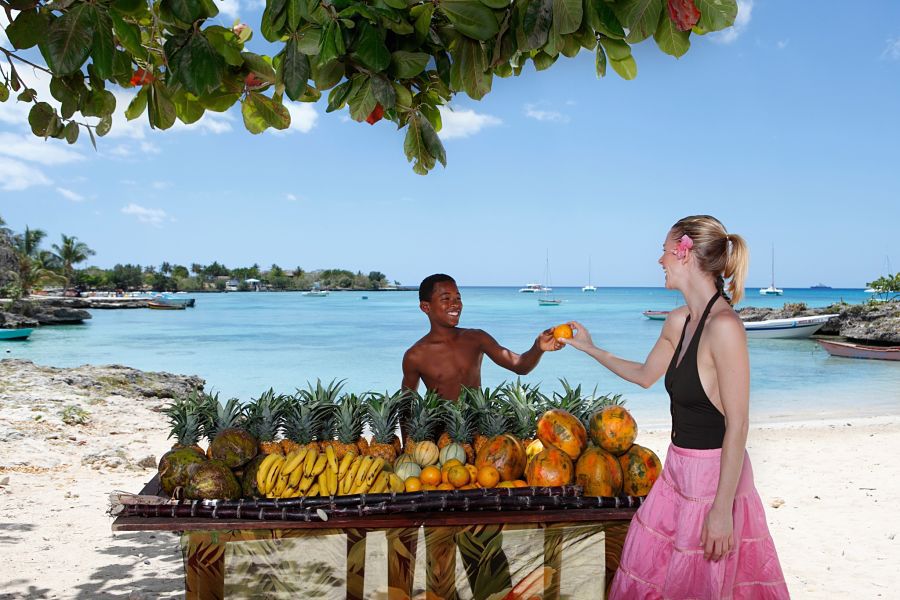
(835, 529)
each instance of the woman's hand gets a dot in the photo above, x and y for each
(716, 535)
(547, 342)
(581, 338)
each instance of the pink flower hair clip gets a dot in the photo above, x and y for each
(684, 244)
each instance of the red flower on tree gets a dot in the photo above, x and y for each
(683, 13)
(252, 81)
(376, 115)
(141, 77)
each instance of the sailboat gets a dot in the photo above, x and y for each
(589, 287)
(772, 290)
(545, 299)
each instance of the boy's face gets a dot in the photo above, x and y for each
(445, 305)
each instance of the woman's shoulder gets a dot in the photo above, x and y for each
(723, 321)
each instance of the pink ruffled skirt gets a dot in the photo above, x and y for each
(663, 556)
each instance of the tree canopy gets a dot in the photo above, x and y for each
(382, 59)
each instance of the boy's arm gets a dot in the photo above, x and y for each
(411, 373)
(520, 364)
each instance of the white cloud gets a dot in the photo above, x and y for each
(538, 114)
(161, 185)
(121, 151)
(461, 123)
(745, 11)
(229, 7)
(70, 195)
(892, 51)
(16, 176)
(149, 148)
(303, 118)
(151, 216)
(291, 197)
(34, 149)
(782, 44)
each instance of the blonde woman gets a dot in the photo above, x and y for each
(702, 531)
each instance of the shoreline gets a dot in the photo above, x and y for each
(820, 497)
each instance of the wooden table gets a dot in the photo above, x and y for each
(204, 543)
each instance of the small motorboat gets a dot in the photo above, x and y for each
(534, 288)
(315, 293)
(853, 350)
(656, 315)
(549, 302)
(166, 298)
(15, 334)
(796, 327)
(165, 305)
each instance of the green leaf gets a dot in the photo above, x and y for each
(309, 41)
(600, 61)
(432, 141)
(297, 11)
(567, 15)
(221, 99)
(405, 65)
(469, 70)
(69, 40)
(295, 66)
(71, 132)
(415, 147)
(161, 111)
(138, 104)
(184, 10)
(261, 112)
(4, 93)
(670, 39)
(403, 96)
(104, 46)
(28, 28)
(331, 45)
(104, 125)
(536, 23)
(495, 3)
(617, 49)
(260, 66)
(40, 117)
(641, 18)
(398, 4)
(423, 23)
(626, 68)
(338, 96)
(604, 20)
(226, 43)
(471, 18)
(129, 36)
(371, 50)
(128, 7)
(383, 91)
(328, 75)
(194, 62)
(99, 104)
(188, 108)
(543, 61)
(716, 15)
(362, 100)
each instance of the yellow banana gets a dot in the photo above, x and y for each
(332, 459)
(263, 471)
(280, 486)
(363, 469)
(345, 464)
(362, 488)
(347, 480)
(294, 460)
(289, 492)
(321, 463)
(323, 482)
(380, 483)
(273, 473)
(332, 482)
(295, 477)
(313, 490)
(310, 461)
(374, 470)
(305, 483)
(396, 484)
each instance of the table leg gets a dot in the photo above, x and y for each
(204, 565)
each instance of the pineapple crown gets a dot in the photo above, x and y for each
(490, 410)
(459, 421)
(350, 418)
(571, 399)
(324, 398)
(525, 404)
(265, 415)
(425, 414)
(383, 411)
(302, 419)
(185, 418)
(218, 417)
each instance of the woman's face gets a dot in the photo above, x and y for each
(672, 266)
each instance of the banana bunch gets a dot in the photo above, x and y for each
(308, 472)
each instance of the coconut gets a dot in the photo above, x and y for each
(212, 480)
(174, 467)
(233, 446)
(248, 478)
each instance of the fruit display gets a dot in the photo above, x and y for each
(322, 441)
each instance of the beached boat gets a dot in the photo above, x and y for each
(534, 288)
(796, 327)
(853, 350)
(163, 304)
(772, 290)
(15, 334)
(656, 315)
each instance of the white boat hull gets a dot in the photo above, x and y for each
(796, 328)
(770, 291)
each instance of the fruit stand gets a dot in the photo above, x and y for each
(519, 497)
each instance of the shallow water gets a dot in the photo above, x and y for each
(243, 343)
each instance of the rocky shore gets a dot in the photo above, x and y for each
(877, 322)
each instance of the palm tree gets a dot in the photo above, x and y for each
(28, 243)
(71, 252)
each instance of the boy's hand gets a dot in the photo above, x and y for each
(547, 342)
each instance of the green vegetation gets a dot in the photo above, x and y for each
(887, 287)
(400, 60)
(75, 415)
(36, 268)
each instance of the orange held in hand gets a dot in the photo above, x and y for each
(562, 331)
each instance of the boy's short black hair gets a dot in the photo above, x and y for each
(426, 288)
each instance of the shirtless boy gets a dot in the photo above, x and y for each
(449, 357)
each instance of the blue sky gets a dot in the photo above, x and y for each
(785, 128)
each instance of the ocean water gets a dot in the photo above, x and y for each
(244, 343)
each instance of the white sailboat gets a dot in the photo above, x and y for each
(772, 290)
(589, 287)
(545, 299)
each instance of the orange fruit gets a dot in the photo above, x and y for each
(520, 483)
(473, 472)
(451, 463)
(430, 475)
(458, 476)
(488, 476)
(413, 484)
(505, 484)
(446, 487)
(428, 487)
(469, 486)
(562, 331)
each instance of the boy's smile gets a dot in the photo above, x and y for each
(445, 306)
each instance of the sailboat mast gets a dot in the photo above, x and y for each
(773, 266)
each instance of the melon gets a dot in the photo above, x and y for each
(426, 453)
(613, 429)
(561, 429)
(406, 470)
(550, 467)
(506, 454)
(451, 451)
(640, 470)
(599, 473)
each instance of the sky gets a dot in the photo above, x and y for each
(784, 127)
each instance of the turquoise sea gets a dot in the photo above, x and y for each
(243, 343)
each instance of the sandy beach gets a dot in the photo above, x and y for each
(827, 488)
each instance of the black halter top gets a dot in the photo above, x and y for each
(696, 423)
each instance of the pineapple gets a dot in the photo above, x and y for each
(384, 417)
(571, 400)
(490, 414)
(424, 418)
(218, 417)
(350, 420)
(186, 421)
(526, 404)
(265, 417)
(325, 399)
(459, 423)
(302, 422)
(445, 440)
